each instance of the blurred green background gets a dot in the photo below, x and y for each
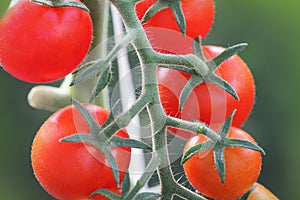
(271, 28)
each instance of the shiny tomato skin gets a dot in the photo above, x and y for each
(261, 193)
(209, 103)
(242, 169)
(41, 44)
(163, 31)
(74, 170)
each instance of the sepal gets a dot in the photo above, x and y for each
(109, 194)
(174, 5)
(196, 149)
(63, 3)
(103, 81)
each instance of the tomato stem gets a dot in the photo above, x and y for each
(195, 127)
(148, 60)
(149, 98)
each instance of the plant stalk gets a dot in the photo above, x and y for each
(154, 107)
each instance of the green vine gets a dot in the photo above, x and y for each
(103, 138)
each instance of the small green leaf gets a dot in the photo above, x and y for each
(87, 73)
(218, 60)
(183, 69)
(84, 66)
(197, 46)
(62, 3)
(226, 126)
(188, 89)
(233, 142)
(221, 83)
(107, 193)
(245, 196)
(125, 185)
(176, 7)
(112, 162)
(219, 158)
(155, 8)
(109, 120)
(93, 125)
(86, 138)
(103, 81)
(79, 137)
(147, 196)
(196, 149)
(117, 141)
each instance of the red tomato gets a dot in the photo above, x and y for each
(42, 44)
(261, 193)
(74, 170)
(207, 102)
(162, 28)
(242, 169)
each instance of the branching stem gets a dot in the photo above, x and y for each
(124, 119)
(195, 127)
(149, 61)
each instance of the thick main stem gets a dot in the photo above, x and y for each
(158, 118)
(149, 85)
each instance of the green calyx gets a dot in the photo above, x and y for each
(62, 3)
(100, 141)
(218, 147)
(211, 76)
(174, 5)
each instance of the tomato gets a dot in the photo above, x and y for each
(39, 43)
(261, 193)
(162, 28)
(207, 102)
(74, 170)
(242, 168)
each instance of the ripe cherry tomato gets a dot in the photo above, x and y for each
(261, 193)
(207, 102)
(162, 28)
(39, 43)
(242, 169)
(74, 170)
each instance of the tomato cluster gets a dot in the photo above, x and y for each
(207, 103)
(40, 43)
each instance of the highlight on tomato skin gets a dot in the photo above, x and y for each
(261, 193)
(69, 170)
(242, 168)
(163, 31)
(42, 44)
(209, 103)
